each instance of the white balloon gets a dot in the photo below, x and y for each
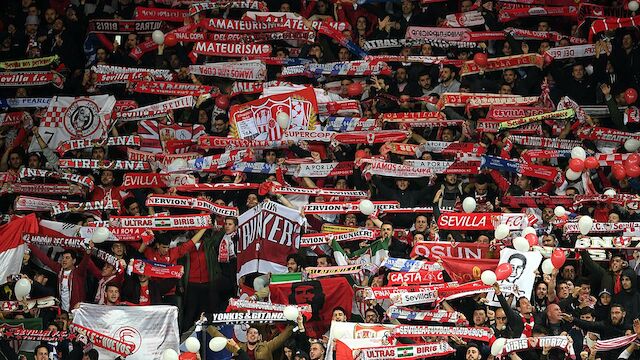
(366, 207)
(291, 313)
(578, 153)
(559, 211)
(178, 165)
(572, 175)
(488, 277)
(469, 204)
(528, 230)
(170, 354)
(497, 346)
(521, 244)
(259, 283)
(22, 289)
(501, 232)
(217, 343)
(610, 192)
(633, 5)
(100, 235)
(584, 224)
(158, 37)
(283, 120)
(632, 145)
(192, 344)
(547, 266)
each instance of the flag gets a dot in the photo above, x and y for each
(374, 254)
(146, 330)
(267, 234)
(285, 278)
(323, 295)
(464, 270)
(258, 119)
(24, 347)
(155, 137)
(11, 245)
(70, 118)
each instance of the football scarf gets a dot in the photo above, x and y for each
(70, 145)
(175, 222)
(75, 178)
(104, 164)
(155, 269)
(185, 202)
(253, 70)
(28, 63)
(33, 78)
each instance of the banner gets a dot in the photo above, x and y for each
(523, 265)
(415, 278)
(154, 180)
(253, 70)
(118, 26)
(267, 233)
(435, 249)
(155, 136)
(323, 170)
(208, 48)
(142, 332)
(257, 120)
(153, 222)
(69, 118)
(323, 295)
(463, 270)
(12, 246)
(484, 221)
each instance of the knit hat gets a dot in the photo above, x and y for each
(604, 291)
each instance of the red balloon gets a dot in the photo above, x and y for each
(481, 59)
(633, 170)
(630, 96)
(503, 271)
(355, 89)
(618, 172)
(361, 154)
(187, 356)
(222, 102)
(576, 165)
(591, 163)
(532, 239)
(170, 40)
(558, 258)
(633, 159)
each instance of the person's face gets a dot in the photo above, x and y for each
(285, 7)
(42, 354)
(548, 240)
(106, 178)
(466, 5)
(627, 41)
(578, 72)
(570, 287)
(616, 264)
(523, 182)
(424, 81)
(451, 179)
(321, 7)
(344, 54)
(563, 291)
(322, 262)
(341, 184)
(316, 351)
(370, 317)
(386, 231)
(544, 46)
(605, 299)
(586, 317)
(270, 157)
(288, 353)
(518, 268)
(67, 261)
(426, 49)
(421, 223)
(554, 313)
(32, 11)
(402, 184)
(481, 189)
(132, 41)
(472, 354)
(101, 55)
(113, 294)
(292, 266)
(108, 270)
(445, 74)
(163, 249)
(15, 161)
(509, 76)
(569, 272)
(50, 15)
(338, 315)
(543, 26)
(134, 209)
(34, 162)
(585, 289)
(252, 200)
(501, 319)
(418, 238)
(506, 90)
(401, 75)
(407, 7)
(447, 135)
(350, 220)
(219, 126)
(344, 85)
(117, 249)
(614, 218)
(617, 315)
(626, 282)
(541, 291)
(506, 49)
(229, 226)
(304, 294)
(479, 317)
(253, 336)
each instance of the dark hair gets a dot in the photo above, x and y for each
(518, 256)
(232, 218)
(35, 351)
(339, 308)
(296, 257)
(112, 284)
(71, 253)
(582, 281)
(129, 201)
(618, 306)
(586, 311)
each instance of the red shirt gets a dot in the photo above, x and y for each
(145, 299)
(198, 272)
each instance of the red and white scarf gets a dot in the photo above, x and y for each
(473, 333)
(346, 207)
(172, 88)
(74, 178)
(408, 351)
(40, 189)
(308, 240)
(318, 272)
(169, 15)
(155, 269)
(153, 180)
(131, 140)
(118, 26)
(185, 202)
(66, 207)
(195, 8)
(32, 78)
(254, 70)
(104, 164)
(503, 63)
(175, 222)
(231, 50)
(441, 316)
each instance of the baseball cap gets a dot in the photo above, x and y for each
(604, 291)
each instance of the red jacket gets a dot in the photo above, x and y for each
(78, 275)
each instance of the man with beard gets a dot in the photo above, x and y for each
(541, 299)
(513, 323)
(448, 82)
(613, 327)
(608, 279)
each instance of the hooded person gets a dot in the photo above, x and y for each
(629, 296)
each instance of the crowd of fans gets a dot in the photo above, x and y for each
(587, 300)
